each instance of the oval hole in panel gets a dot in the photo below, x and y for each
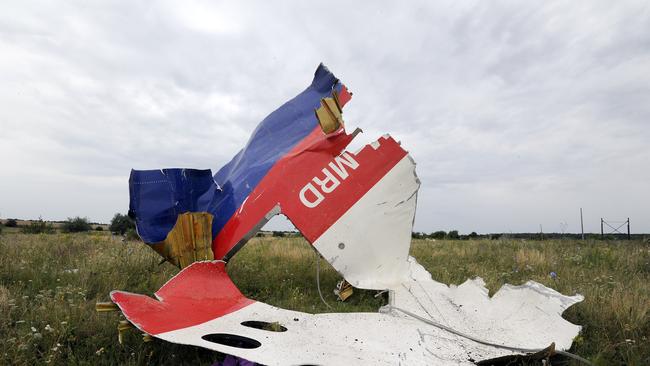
(232, 340)
(271, 327)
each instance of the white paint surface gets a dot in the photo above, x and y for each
(369, 243)
(525, 316)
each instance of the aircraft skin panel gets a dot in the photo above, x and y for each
(158, 196)
(280, 186)
(369, 244)
(200, 292)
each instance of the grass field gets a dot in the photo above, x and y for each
(49, 285)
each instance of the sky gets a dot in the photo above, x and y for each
(517, 113)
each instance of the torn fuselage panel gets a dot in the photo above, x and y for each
(199, 293)
(356, 209)
(157, 197)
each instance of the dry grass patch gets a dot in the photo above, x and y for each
(50, 283)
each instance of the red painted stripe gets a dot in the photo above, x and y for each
(260, 201)
(373, 166)
(297, 166)
(285, 180)
(201, 292)
(344, 96)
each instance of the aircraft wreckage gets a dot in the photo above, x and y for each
(357, 210)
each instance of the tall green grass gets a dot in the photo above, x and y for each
(49, 285)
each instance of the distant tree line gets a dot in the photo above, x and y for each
(38, 227)
(440, 234)
(454, 235)
(71, 225)
(120, 224)
(76, 225)
(124, 225)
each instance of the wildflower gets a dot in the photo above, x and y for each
(553, 275)
(49, 329)
(33, 330)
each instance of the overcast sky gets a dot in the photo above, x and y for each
(517, 113)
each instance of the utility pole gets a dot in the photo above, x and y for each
(629, 237)
(582, 225)
(602, 232)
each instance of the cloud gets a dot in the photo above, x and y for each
(518, 114)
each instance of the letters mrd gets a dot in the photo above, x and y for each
(314, 192)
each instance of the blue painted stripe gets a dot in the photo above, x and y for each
(159, 196)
